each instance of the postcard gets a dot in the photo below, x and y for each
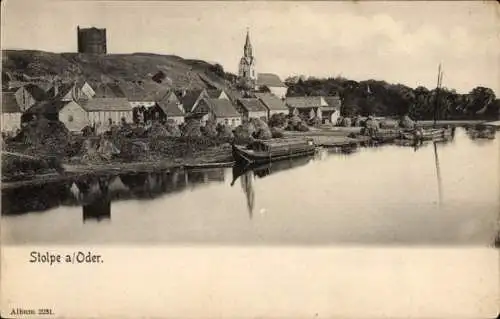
(253, 159)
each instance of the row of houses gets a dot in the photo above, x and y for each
(80, 104)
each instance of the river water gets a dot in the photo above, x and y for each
(437, 194)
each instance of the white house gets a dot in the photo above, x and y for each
(307, 106)
(332, 111)
(273, 83)
(217, 110)
(252, 108)
(108, 110)
(172, 111)
(11, 113)
(70, 113)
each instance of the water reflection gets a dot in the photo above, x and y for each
(247, 173)
(95, 193)
(97, 210)
(382, 194)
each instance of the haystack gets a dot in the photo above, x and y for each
(346, 122)
(388, 124)
(357, 122)
(340, 120)
(173, 128)
(107, 149)
(225, 131)
(89, 152)
(278, 120)
(158, 130)
(262, 131)
(192, 129)
(294, 121)
(371, 123)
(244, 131)
(210, 129)
(277, 132)
(406, 122)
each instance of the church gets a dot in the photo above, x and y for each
(247, 71)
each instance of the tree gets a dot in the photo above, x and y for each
(218, 70)
(480, 98)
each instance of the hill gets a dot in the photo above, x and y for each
(28, 65)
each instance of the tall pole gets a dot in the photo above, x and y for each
(439, 78)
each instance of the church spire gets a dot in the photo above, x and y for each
(248, 45)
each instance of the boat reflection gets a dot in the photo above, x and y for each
(247, 174)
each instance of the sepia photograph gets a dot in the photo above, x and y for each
(257, 124)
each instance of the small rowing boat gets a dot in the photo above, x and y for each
(265, 151)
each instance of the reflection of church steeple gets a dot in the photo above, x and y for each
(99, 209)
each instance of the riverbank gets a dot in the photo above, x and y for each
(74, 170)
(335, 137)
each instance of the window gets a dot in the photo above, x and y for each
(233, 122)
(226, 121)
(70, 118)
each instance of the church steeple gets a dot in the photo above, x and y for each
(247, 63)
(248, 46)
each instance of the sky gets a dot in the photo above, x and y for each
(396, 41)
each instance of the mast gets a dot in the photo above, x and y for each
(438, 88)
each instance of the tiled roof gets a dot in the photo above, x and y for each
(97, 104)
(306, 101)
(170, 109)
(222, 108)
(62, 90)
(271, 101)
(333, 101)
(214, 93)
(132, 91)
(233, 95)
(190, 98)
(269, 80)
(153, 92)
(108, 90)
(252, 105)
(9, 103)
(35, 91)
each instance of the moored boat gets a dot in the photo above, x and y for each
(265, 151)
(481, 132)
(433, 134)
